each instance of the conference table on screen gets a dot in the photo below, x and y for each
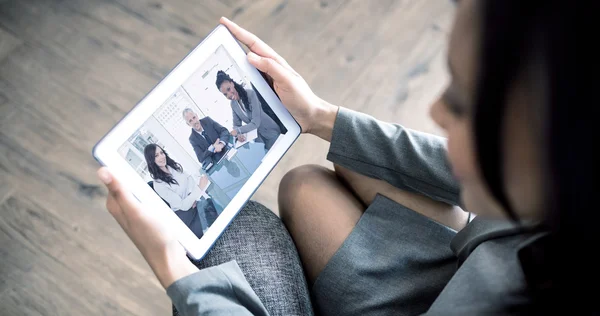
(228, 176)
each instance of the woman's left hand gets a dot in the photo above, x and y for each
(312, 113)
(151, 236)
(233, 132)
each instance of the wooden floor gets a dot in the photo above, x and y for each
(70, 69)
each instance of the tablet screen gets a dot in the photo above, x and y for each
(203, 143)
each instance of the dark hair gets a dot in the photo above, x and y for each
(222, 77)
(514, 34)
(155, 172)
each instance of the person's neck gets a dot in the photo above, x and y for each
(200, 130)
(165, 169)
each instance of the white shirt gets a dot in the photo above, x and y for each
(180, 196)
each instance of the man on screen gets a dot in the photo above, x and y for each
(208, 138)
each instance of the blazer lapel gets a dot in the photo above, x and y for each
(200, 139)
(241, 114)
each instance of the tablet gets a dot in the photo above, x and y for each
(201, 142)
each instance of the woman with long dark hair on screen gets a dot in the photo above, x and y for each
(392, 229)
(181, 190)
(246, 108)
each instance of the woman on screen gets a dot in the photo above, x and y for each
(247, 108)
(183, 192)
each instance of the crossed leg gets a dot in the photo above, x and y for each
(320, 207)
(366, 188)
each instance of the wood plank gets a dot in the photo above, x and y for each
(395, 78)
(67, 269)
(8, 185)
(291, 27)
(67, 194)
(8, 43)
(7, 108)
(69, 199)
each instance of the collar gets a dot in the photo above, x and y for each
(536, 252)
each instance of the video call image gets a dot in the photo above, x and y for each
(202, 145)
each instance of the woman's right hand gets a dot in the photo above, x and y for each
(312, 113)
(203, 182)
(150, 234)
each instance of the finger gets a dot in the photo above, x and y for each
(116, 190)
(111, 204)
(268, 79)
(269, 66)
(115, 210)
(252, 41)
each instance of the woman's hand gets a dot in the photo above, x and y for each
(314, 114)
(241, 137)
(156, 243)
(203, 182)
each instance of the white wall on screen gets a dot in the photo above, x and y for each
(170, 116)
(173, 147)
(203, 91)
(199, 93)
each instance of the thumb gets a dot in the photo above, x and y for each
(111, 183)
(269, 66)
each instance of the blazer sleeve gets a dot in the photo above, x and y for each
(407, 159)
(201, 154)
(218, 290)
(221, 131)
(176, 202)
(255, 115)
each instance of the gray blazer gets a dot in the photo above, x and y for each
(489, 278)
(255, 118)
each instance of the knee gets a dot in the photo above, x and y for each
(301, 179)
(298, 186)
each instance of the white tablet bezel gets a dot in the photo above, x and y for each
(105, 151)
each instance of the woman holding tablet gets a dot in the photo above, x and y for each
(246, 108)
(389, 231)
(180, 190)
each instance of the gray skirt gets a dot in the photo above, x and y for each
(395, 262)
